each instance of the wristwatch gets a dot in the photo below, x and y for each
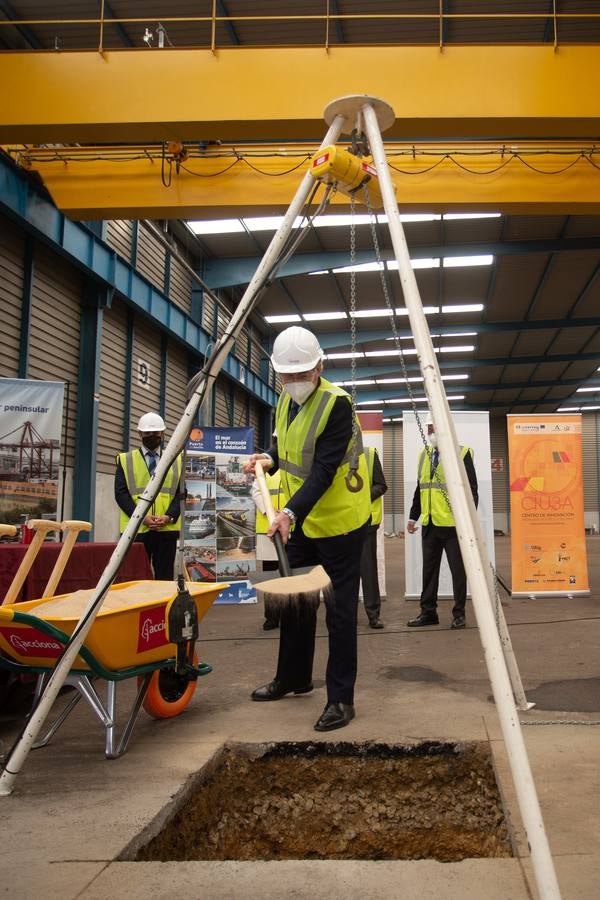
(291, 515)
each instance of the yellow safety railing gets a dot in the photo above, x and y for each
(328, 18)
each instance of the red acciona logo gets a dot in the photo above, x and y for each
(31, 642)
(152, 629)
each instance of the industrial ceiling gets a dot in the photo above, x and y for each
(529, 310)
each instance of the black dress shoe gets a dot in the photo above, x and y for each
(376, 623)
(335, 715)
(269, 625)
(275, 690)
(423, 619)
(458, 622)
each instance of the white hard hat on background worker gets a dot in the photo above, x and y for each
(295, 350)
(151, 422)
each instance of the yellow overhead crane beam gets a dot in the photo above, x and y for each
(137, 182)
(242, 93)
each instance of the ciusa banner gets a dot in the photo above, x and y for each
(548, 553)
(30, 430)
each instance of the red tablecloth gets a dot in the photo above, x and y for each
(83, 569)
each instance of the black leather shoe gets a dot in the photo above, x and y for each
(335, 715)
(458, 622)
(269, 626)
(275, 690)
(423, 619)
(376, 623)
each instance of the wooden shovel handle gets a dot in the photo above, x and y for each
(72, 527)
(284, 565)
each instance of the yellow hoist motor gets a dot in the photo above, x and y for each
(349, 173)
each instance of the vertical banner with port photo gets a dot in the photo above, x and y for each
(31, 414)
(219, 526)
(547, 531)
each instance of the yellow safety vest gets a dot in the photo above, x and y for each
(137, 477)
(434, 491)
(338, 510)
(377, 504)
(274, 486)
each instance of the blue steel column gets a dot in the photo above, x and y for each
(88, 400)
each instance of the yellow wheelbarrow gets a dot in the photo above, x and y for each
(128, 639)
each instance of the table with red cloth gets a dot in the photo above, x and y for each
(84, 566)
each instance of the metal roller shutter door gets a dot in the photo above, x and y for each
(113, 386)
(393, 469)
(590, 428)
(11, 297)
(145, 376)
(176, 386)
(55, 325)
(499, 450)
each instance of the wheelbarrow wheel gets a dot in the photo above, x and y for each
(169, 693)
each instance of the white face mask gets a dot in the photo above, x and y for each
(300, 391)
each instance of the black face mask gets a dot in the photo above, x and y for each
(152, 441)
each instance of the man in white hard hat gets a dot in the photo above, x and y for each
(160, 528)
(431, 502)
(326, 508)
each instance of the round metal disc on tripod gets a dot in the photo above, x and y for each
(350, 106)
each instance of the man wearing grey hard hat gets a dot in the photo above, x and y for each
(160, 529)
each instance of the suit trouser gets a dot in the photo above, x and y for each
(368, 575)
(437, 539)
(340, 557)
(161, 547)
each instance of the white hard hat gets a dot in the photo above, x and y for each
(151, 422)
(295, 350)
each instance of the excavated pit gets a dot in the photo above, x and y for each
(334, 801)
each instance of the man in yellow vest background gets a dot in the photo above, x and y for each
(368, 563)
(160, 529)
(319, 452)
(265, 548)
(432, 504)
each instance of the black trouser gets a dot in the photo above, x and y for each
(161, 547)
(368, 575)
(437, 539)
(340, 557)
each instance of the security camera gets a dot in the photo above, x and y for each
(148, 37)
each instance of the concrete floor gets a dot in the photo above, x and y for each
(72, 812)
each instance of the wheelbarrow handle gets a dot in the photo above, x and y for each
(72, 527)
(41, 528)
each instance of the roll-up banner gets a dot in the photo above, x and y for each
(548, 552)
(219, 527)
(31, 415)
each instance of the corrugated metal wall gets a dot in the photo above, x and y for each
(113, 385)
(119, 236)
(54, 351)
(223, 409)
(180, 286)
(500, 471)
(150, 259)
(146, 370)
(176, 385)
(11, 296)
